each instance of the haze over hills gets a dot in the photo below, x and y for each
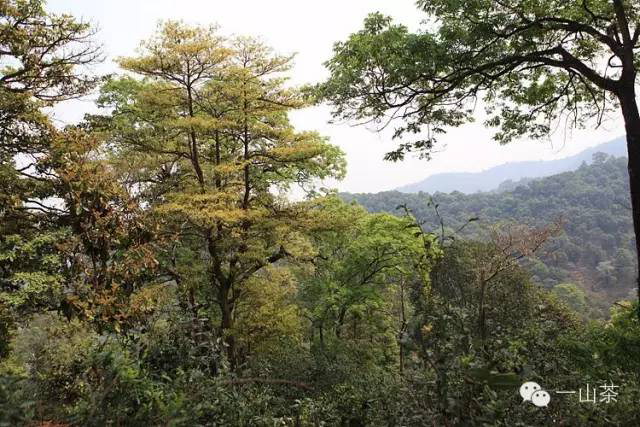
(491, 179)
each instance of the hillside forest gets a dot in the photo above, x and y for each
(154, 271)
(593, 254)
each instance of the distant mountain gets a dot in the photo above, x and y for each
(491, 179)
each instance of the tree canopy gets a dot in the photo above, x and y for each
(154, 271)
(530, 63)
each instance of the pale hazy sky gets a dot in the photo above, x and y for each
(309, 28)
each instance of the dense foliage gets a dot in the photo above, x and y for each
(595, 249)
(533, 65)
(153, 272)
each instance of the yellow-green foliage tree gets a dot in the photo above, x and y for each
(205, 125)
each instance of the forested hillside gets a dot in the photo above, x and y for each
(595, 251)
(154, 271)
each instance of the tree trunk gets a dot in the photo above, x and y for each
(632, 127)
(403, 327)
(218, 180)
(195, 157)
(226, 323)
(482, 324)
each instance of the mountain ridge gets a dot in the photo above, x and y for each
(492, 179)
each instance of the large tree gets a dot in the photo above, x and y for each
(206, 129)
(43, 59)
(533, 64)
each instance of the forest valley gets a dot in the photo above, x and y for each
(153, 271)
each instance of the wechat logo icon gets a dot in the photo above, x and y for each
(532, 392)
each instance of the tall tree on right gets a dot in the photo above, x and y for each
(534, 64)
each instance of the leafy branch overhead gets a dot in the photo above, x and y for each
(530, 63)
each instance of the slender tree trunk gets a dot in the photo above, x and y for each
(481, 311)
(403, 327)
(226, 323)
(632, 126)
(195, 156)
(245, 156)
(218, 181)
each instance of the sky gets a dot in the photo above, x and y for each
(309, 29)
